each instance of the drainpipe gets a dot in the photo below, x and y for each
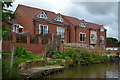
(68, 34)
(89, 38)
(34, 23)
(75, 32)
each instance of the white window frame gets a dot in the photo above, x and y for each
(40, 15)
(18, 26)
(59, 18)
(102, 37)
(82, 24)
(43, 29)
(62, 31)
(80, 36)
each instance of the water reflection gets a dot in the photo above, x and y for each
(104, 70)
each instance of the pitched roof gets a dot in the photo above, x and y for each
(93, 25)
(33, 12)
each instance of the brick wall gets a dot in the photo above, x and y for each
(6, 46)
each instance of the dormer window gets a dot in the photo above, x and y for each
(83, 24)
(59, 18)
(102, 29)
(17, 28)
(42, 15)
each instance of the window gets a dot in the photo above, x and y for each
(17, 28)
(82, 37)
(83, 24)
(93, 36)
(101, 39)
(21, 38)
(43, 29)
(59, 18)
(60, 32)
(13, 28)
(33, 40)
(42, 15)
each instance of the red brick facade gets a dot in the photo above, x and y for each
(72, 29)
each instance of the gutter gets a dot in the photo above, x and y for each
(50, 22)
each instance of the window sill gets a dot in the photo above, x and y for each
(83, 41)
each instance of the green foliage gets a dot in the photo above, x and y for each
(20, 55)
(58, 55)
(6, 67)
(111, 40)
(5, 32)
(7, 15)
(68, 61)
(80, 56)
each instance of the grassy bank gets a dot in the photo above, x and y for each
(78, 57)
(71, 57)
(20, 55)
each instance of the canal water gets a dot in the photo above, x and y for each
(103, 70)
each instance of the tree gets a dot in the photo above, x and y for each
(7, 15)
(111, 40)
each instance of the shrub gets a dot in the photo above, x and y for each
(58, 55)
(68, 61)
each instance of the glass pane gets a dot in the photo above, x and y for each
(41, 29)
(80, 37)
(45, 30)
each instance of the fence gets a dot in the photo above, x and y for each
(51, 45)
(33, 43)
(96, 50)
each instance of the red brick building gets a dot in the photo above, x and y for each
(71, 30)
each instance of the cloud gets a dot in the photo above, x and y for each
(97, 12)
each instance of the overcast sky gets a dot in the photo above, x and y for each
(103, 13)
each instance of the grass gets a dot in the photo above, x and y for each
(20, 55)
(72, 57)
(80, 56)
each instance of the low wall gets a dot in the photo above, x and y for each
(26, 65)
(6, 46)
(36, 49)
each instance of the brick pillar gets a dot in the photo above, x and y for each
(28, 39)
(98, 38)
(89, 38)
(39, 40)
(14, 37)
(105, 39)
(49, 40)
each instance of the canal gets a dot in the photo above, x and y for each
(103, 70)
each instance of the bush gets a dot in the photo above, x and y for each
(58, 55)
(20, 55)
(80, 56)
(68, 61)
